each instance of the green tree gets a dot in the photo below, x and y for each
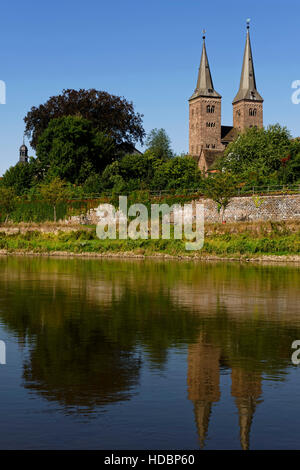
(178, 173)
(112, 115)
(221, 188)
(21, 177)
(8, 201)
(53, 193)
(256, 156)
(131, 173)
(71, 149)
(159, 143)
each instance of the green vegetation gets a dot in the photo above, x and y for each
(235, 240)
(84, 142)
(264, 157)
(221, 188)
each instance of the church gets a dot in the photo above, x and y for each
(207, 137)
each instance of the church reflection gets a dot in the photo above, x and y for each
(204, 389)
(90, 332)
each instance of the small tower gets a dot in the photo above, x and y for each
(205, 111)
(23, 153)
(248, 103)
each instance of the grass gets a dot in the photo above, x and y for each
(231, 240)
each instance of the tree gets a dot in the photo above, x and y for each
(159, 143)
(7, 201)
(53, 193)
(178, 173)
(109, 114)
(21, 177)
(256, 156)
(221, 188)
(71, 149)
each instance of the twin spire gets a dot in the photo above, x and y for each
(247, 90)
(205, 86)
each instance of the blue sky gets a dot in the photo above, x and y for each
(147, 51)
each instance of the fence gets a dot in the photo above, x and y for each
(39, 211)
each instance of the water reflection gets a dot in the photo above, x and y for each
(204, 362)
(90, 327)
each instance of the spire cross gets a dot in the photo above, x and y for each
(204, 33)
(248, 23)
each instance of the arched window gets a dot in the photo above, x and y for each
(212, 109)
(208, 110)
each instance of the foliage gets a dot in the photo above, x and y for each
(159, 144)
(7, 201)
(53, 193)
(263, 156)
(109, 114)
(21, 177)
(178, 173)
(248, 240)
(146, 171)
(70, 148)
(221, 188)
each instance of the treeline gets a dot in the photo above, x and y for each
(85, 146)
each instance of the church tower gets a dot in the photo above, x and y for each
(23, 156)
(248, 103)
(205, 111)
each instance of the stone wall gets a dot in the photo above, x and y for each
(264, 208)
(256, 208)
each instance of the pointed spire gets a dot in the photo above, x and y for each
(205, 85)
(248, 89)
(246, 408)
(202, 412)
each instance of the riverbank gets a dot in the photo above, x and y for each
(273, 241)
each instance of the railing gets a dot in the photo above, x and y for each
(241, 191)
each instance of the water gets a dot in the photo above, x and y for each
(148, 355)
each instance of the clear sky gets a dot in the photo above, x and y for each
(147, 51)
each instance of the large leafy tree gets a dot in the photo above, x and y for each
(70, 148)
(159, 143)
(112, 115)
(258, 155)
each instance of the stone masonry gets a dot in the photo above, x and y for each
(240, 209)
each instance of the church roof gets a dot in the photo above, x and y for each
(248, 90)
(228, 134)
(205, 85)
(211, 156)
